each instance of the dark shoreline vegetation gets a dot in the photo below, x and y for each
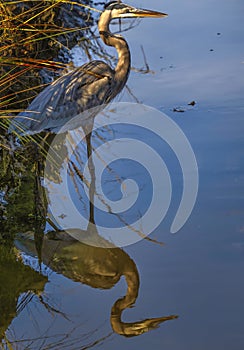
(36, 37)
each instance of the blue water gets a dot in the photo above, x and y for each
(198, 273)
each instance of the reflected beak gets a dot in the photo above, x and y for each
(135, 13)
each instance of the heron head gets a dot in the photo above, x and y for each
(120, 10)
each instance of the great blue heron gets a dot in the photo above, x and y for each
(92, 85)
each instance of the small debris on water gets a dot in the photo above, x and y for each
(183, 109)
(179, 110)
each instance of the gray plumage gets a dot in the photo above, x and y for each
(81, 89)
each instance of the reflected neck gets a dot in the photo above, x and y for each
(132, 280)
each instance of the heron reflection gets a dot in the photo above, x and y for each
(97, 267)
(92, 260)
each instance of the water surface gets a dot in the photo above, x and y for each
(195, 54)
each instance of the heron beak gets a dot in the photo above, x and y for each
(148, 13)
(133, 13)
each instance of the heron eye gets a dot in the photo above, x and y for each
(126, 10)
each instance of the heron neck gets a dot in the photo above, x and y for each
(122, 68)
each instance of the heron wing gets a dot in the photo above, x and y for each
(86, 87)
